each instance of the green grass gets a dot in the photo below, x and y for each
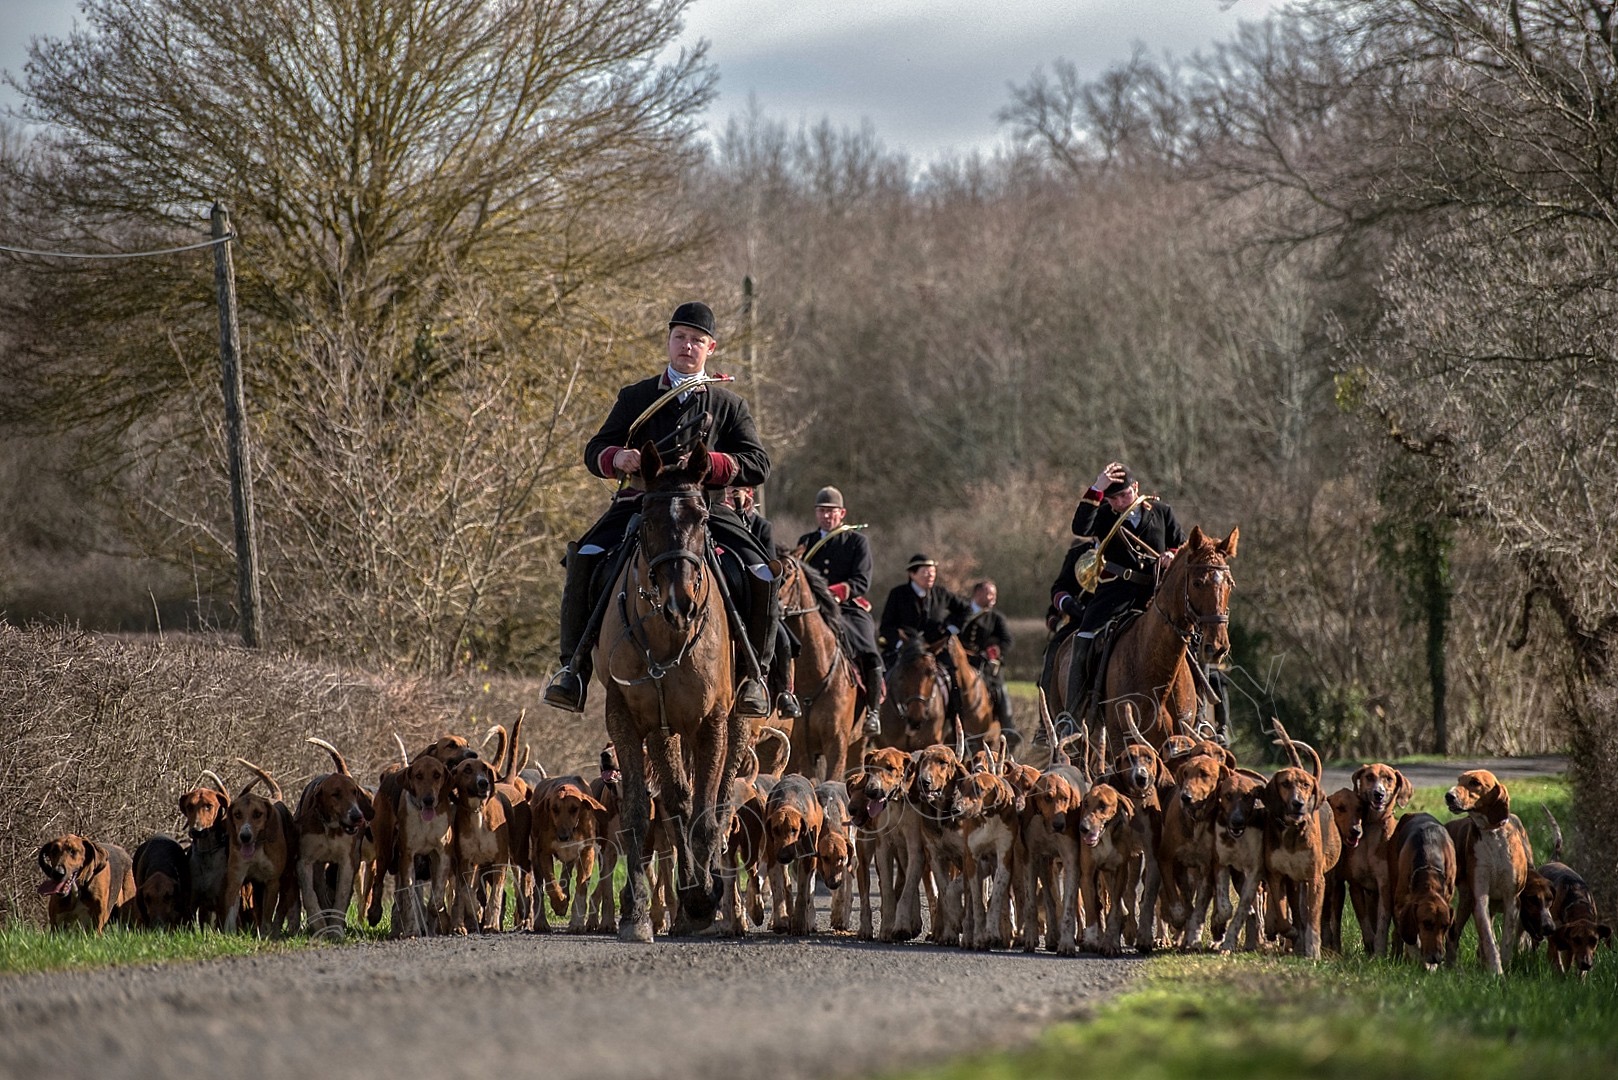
(26, 949)
(1201, 1018)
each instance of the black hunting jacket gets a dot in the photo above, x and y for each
(844, 560)
(715, 415)
(1157, 527)
(905, 610)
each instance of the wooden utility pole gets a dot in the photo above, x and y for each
(241, 473)
(749, 331)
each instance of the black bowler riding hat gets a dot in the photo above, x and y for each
(918, 561)
(1119, 485)
(697, 314)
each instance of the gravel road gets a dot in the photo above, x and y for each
(519, 1004)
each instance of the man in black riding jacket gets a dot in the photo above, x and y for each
(842, 556)
(923, 608)
(1141, 546)
(655, 410)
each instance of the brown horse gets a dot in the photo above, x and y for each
(1149, 663)
(664, 656)
(915, 712)
(822, 674)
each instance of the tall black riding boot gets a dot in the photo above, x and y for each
(569, 686)
(1002, 703)
(1080, 678)
(780, 674)
(762, 613)
(871, 671)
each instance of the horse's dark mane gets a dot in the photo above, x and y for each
(913, 649)
(823, 595)
(824, 600)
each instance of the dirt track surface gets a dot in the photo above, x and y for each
(1443, 773)
(557, 1006)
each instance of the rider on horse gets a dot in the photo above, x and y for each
(842, 555)
(922, 608)
(1140, 534)
(655, 410)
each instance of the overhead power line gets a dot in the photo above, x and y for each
(116, 254)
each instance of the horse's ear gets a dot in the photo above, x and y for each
(1197, 539)
(1227, 546)
(699, 464)
(651, 462)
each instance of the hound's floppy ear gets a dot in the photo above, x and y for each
(1403, 790)
(592, 803)
(1409, 930)
(1272, 797)
(1496, 805)
(95, 858)
(1126, 806)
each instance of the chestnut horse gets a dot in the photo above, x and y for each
(1149, 664)
(822, 674)
(914, 714)
(664, 656)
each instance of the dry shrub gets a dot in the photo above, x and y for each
(105, 733)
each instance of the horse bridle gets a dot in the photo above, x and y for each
(654, 598)
(1198, 620)
(795, 612)
(937, 684)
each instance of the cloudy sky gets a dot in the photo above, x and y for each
(928, 74)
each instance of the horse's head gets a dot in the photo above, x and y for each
(1196, 591)
(918, 692)
(674, 535)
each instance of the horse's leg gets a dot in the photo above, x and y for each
(666, 755)
(836, 751)
(635, 922)
(717, 756)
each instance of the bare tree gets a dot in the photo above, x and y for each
(444, 210)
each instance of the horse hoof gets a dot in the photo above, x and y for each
(640, 931)
(698, 906)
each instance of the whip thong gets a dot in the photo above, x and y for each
(822, 541)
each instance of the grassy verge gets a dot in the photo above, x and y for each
(1202, 1018)
(26, 949)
